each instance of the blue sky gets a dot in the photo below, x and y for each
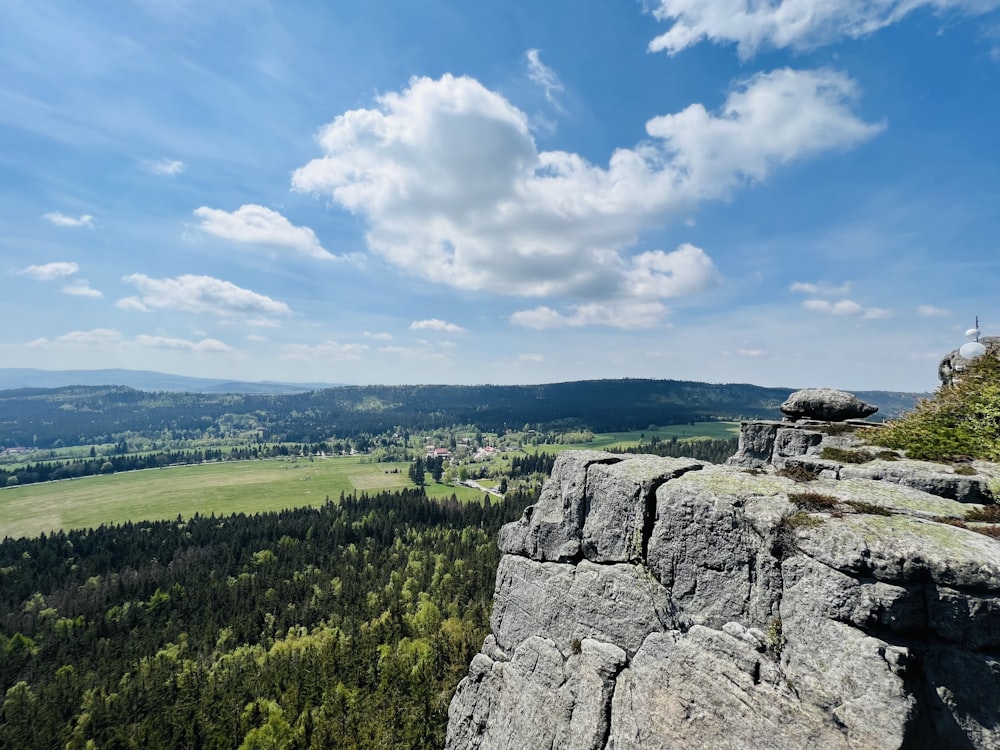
(798, 193)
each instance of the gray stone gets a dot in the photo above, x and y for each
(826, 404)
(617, 604)
(619, 499)
(551, 529)
(756, 445)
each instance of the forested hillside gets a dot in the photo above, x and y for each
(344, 626)
(86, 415)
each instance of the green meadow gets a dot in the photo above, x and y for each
(220, 488)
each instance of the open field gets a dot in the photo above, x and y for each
(703, 430)
(220, 488)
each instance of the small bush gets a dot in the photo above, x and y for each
(575, 646)
(993, 531)
(797, 474)
(964, 470)
(845, 456)
(950, 521)
(986, 514)
(775, 636)
(887, 456)
(812, 501)
(835, 428)
(860, 506)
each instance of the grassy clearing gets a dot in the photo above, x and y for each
(696, 431)
(220, 488)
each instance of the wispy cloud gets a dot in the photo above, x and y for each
(434, 324)
(93, 338)
(62, 220)
(542, 75)
(845, 308)
(50, 271)
(627, 315)
(930, 311)
(81, 288)
(198, 295)
(800, 25)
(165, 167)
(327, 350)
(163, 342)
(378, 336)
(530, 357)
(257, 225)
(821, 288)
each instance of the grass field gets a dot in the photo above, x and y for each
(246, 486)
(698, 430)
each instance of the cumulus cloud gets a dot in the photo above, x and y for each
(435, 325)
(542, 75)
(625, 315)
(796, 24)
(81, 289)
(199, 295)
(166, 167)
(327, 350)
(62, 220)
(163, 342)
(50, 271)
(930, 311)
(258, 225)
(453, 189)
(844, 308)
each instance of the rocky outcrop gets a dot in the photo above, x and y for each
(826, 404)
(649, 602)
(953, 364)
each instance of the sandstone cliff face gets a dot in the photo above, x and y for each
(650, 602)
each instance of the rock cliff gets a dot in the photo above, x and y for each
(650, 602)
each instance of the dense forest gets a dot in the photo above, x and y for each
(344, 626)
(82, 415)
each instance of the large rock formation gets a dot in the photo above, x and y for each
(650, 602)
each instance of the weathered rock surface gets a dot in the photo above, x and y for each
(662, 603)
(827, 404)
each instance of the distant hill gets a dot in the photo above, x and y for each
(82, 414)
(143, 380)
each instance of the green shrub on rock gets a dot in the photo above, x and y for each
(959, 421)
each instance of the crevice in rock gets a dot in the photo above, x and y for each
(649, 508)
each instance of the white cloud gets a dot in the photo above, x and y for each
(798, 24)
(81, 289)
(166, 167)
(753, 353)
(93, 338)
(262, 323)
(454, 190)
(50, 271)
(378, 336)
(625, 315)
(258, 225)
(930, 311)
(435, 325)
(163, 342)
(199, 295)
(530, 357)
(256, 338)
(62, 220)
(327, 350)
(542, 75)
(821, 288)
(845, 308)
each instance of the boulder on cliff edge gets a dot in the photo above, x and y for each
(826, 404)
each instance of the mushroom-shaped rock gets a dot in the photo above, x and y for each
(826, 404)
